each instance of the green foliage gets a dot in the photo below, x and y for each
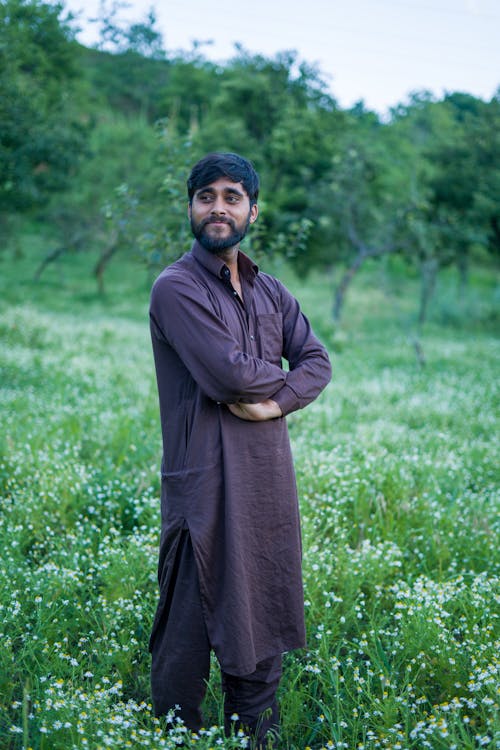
(419, 186)
(109, 181)
(140, 37)
(125, 82)
(456, 143)
(187, 94)
(467, 177)
(42, 132)
(165, 232)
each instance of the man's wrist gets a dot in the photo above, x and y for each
(286, 399)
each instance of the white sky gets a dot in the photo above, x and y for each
(377, 51)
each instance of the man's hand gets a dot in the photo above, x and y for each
(260, 412)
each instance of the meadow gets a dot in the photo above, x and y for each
(398, 468)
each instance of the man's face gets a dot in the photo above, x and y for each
(220, 214)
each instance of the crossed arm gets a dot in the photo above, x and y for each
(253, 389)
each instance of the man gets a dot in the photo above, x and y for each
(230, 551)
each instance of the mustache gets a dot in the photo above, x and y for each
(217, 220)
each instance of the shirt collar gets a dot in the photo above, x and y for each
(217, 267)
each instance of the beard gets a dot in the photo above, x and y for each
(215, 244)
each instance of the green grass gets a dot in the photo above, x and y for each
(397, 467)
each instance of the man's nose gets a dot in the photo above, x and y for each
(218, 206)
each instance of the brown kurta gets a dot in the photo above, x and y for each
(231, 481)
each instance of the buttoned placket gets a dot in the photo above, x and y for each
(226, 277)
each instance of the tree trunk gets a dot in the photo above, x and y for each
(419, 351)
(106, 255)
(364, 252)
(344, 282)
(76, 242)
(49, 258)
(429, 269)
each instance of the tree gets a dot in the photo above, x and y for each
(125, 206)
(42, 134)
(458, 146)
(422, 185)
(361, 202)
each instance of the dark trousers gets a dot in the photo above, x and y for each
(180, 668)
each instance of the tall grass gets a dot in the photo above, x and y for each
(397, 467)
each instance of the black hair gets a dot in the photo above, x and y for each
(216, 165)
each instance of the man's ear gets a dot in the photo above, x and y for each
(189, 211)
(254, 212)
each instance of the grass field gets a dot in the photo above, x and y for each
(398, 471)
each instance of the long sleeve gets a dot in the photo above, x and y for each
(310, 369)
(183, 315)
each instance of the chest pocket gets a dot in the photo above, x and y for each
(270, 336)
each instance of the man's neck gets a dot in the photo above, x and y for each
(230, 258)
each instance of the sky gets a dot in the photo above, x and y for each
(377, 51)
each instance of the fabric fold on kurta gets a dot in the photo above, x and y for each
(231, 481)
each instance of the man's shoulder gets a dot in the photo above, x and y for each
(183, 280)
(180, 270)
(270, 282)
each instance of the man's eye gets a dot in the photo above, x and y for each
(205, 198)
